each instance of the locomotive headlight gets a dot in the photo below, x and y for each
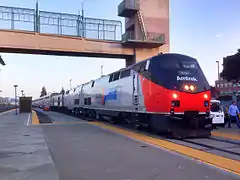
(205, 96)
(192, 88)
(186, 87)
(175, 96)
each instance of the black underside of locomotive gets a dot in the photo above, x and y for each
(182, 126)
(187, 125)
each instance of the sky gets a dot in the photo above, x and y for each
(206, 30)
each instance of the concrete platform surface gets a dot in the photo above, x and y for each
(24, 153)
(230, 133)
(83, 151)
(233, 129)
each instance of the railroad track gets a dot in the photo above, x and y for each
(211, 147)
(6, 109)
(225, 141)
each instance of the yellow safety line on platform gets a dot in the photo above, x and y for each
(208, 158)
(232, 136)
(72, 122)
(35, 119)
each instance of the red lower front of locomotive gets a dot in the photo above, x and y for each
(184, 103)
(184, 114)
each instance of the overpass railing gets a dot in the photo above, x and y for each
(13, 18)
(150, 37)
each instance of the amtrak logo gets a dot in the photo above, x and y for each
(186, 78)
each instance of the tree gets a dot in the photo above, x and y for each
(62, 91)
(231, 67)
(43, 92)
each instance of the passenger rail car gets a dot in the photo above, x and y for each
(167, 93)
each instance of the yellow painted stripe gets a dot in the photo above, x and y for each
(35, 119)
(71, 122)
(233, 136)
(208, 158)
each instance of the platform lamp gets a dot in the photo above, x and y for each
(83, 27)
(2, 63)
(15, 86)
(101, 70)
(70, 83)
(218, 69)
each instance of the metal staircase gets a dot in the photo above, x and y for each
(141, 24)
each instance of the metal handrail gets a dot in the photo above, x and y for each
(151, 37)
(59, 23)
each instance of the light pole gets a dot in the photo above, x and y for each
(101, 70)
(37, 18)
(83, 27)
(15, 86)
(82, 8)
(22, 92)
(1, 100)
(70, 83)
(2, 63)
(0, 81)
(218, 69)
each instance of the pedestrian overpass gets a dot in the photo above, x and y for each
(33, 31)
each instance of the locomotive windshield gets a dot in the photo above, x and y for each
(173, 71)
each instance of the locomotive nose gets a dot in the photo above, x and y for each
(183, 101)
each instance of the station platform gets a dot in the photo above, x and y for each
(24, 154)
(70, 148)
(230, 133)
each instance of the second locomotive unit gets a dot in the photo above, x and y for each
(167, 93)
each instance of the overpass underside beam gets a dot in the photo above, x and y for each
(34, 43)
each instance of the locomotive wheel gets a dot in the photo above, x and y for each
(114, 120)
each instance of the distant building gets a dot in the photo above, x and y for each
(8, 100)
(227, 88)
(214, 92)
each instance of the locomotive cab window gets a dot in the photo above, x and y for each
(116, 76)
(125, 73)
(93, 83)
(110, 78)
(140, 67)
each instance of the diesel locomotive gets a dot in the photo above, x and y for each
(166, 93)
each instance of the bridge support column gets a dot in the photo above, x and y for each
(130, 60)
(141, 54)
